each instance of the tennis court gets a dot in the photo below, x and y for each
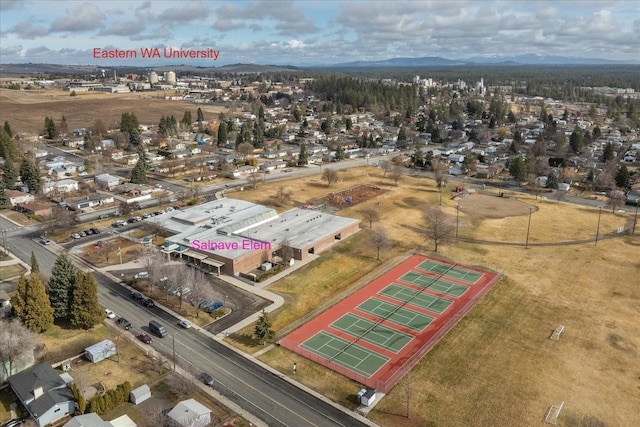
(434, 283)
(448, 270)
(375, 335)
(417, 298)
(345, 353)
(396, 314)
(372, 332)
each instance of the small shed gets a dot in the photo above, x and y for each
(190, 413)
(140, 394)
(367, 396)
(100, 351)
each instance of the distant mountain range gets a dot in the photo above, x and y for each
(436, 61)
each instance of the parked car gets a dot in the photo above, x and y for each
(76, 236)
(136, 295)
(123, 323)
(110, 314)
(184, 324)
(206, 379)
(141, 276)
(148, 302)
(145, 338)
(45, 241)
(13, 423)
(95, 231)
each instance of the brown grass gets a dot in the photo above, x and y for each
(102, 256)
(497, 367)
(12, 270)
(26, 110)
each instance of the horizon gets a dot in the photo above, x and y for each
(315, 34)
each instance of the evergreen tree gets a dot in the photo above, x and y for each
(222, 134)
(49, 128)
(128, 123)
(31, 304)
(61, 284)
(402, 134)
(7, 129)
(30, 175)
(35, 267)
(623, 177)
(348, 124)
(262, 329)
(576, 140)
(552, 181)
(200, 115)
(518, 168)
(187, 121)
(302, 156)
(135, 138)
(85, 309)
(607, 152)
(5, 202)
(142, 157)
(138, 173)
(339, 152)
(8, 148)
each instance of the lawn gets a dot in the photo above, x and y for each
(497, 367)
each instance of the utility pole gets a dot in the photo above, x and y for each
(526, 245)
(295, 369)
(598, 228)
(457, 216)
(174, 352)
(635, 219)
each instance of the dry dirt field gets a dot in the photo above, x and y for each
(497, 367)
(26, 110)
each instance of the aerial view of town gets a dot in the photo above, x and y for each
(308, 213)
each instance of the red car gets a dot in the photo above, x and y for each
(145, 338)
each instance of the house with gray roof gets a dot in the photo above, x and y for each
(190, 413)
(44, 393)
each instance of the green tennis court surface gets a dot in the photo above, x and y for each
(417, 298)
(396, 314)
(345, 353)
(372, 332)
(434, 283)
(450, 271)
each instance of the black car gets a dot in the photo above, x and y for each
(206, 379)
(123, 323)
(148, 302)
(136, 295)
(95, 231)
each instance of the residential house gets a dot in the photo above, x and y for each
(16, 197)
(87, 420)
(36, 208)
(43, 393)
(107, 182)
(190, 413)
(60, 187)
(105, 144)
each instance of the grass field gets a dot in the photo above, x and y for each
(26, 110)
(497, 367)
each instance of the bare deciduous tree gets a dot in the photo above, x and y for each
(379, 240)
(162, 196)
(370, 214)
(330, 176)
(387, 166)
(283, 196)
(615, 199)
(286, 250)
(179, 386)
(254, 178)
(439, 228)
(17, 344)
(440, 171)
(243, 150)
(397, 172)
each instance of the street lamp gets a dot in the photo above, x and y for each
(457, 216)
(598, 228)
(635, 219)
(526, 245)
(295, 369)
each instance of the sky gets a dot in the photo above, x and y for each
(304, 33)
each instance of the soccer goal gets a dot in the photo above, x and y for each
(552, 414)
(555, 336)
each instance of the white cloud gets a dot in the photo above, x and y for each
(86, 17)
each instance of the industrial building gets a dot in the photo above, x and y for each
(230, 236)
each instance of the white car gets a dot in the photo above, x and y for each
(110, 314)
(185, 324)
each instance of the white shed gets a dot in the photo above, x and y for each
(190, 413)
(140, 394)
(367, 396)
(100, 351)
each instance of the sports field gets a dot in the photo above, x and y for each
(377, 334)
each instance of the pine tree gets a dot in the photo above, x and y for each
(30, 175)
(31, 304)
(339, 152)
(85, 309)
(9, 174)
(138, 173)
(8, 148)
(302, 156)
(35, 267)
(61, 284)
(262, 330)
(5, 202)
(222, 134)
(7, 129)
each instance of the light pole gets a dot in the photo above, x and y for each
(635, 219)
(526, 245)
(598, 228)
(457, 221)
(295, 369)
(174, 352)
